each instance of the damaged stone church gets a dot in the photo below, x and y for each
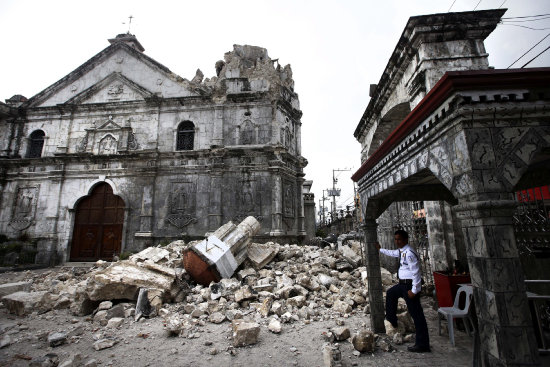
(122, 153)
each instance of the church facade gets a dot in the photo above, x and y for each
(122, 154)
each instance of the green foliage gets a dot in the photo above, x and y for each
(125, 255)
(164, 243)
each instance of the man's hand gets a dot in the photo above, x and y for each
(377, 245)
(411, 294)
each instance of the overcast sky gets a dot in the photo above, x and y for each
(336, 49)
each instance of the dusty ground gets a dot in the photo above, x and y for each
(145, 343)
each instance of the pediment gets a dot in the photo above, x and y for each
(109, 125)
(114, 88)
(119, 73)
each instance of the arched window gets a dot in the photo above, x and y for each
(36, 143)
(186, 136)
(247, 133)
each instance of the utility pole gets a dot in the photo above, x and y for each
(323, 207)
(334, 192)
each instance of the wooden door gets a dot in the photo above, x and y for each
(98, 225)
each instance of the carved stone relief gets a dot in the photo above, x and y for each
(24, 208)
(288, 199)
(181, 204)
(107, 145)
(108, 138)
(115, 91)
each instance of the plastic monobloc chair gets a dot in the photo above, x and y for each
(455, 312)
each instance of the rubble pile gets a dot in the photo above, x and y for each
(278, 286)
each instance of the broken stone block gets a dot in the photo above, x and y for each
(341, 333)
(297, 301)
(391, 331)
(22, 303)
(245, 294)
(405, 321)
(49, 360)
(275, 326)
(154, 254)
(10, 288)
(104, 344)
(57, 339)
(342, 307)
(262, 254)
(115, 322)
(387, 279)
(332, 357)
(363, 341)
(217, 318)
(101, 318)
(398, 339)
(5, 341)
(74, 360)
(115, 311)
(143, 307)
(265, 308)
(243, 274)
(105, 305)
(123, 279)
(220, 254)
(245, 333)
(62, 302)
(351, 256)
(325, 280)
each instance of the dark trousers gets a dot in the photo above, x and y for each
(414, 307)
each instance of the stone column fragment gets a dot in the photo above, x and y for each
(374, 277)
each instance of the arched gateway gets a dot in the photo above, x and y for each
(98, 225)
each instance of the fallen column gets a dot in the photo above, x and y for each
(221, 253)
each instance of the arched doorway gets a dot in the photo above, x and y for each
(98, 225)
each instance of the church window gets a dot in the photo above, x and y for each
(247, 133)
(186, 136)
(36, 144)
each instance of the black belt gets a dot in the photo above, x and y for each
(406, 281)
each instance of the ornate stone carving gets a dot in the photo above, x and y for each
(24, 208)
(181, 204)
(107, 145)
(115, 91)
(288, 199)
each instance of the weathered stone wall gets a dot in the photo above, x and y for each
(115, 120)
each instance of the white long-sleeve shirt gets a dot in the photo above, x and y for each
(409, 265)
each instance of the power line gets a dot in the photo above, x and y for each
(477, 4)
(527, 16)
(451, 6)
(543, 51)
(523, 26)
(526, 20)
(502, 4)
(528, 50)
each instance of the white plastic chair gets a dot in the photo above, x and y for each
(455, 312)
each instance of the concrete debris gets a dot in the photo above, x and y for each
(123, 279)
(261, 254)
(10, 288)
(22, 303)
(57, 339)
(104, 343)
(363, 341)
(74, 360)
(332, 357)
(245, 333)
(275, 326)
(293, 284)
(341, 333)
(49, 360)
(221, 253)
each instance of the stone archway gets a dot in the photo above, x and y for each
(97, 232)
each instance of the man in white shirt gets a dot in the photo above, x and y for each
(409, 286)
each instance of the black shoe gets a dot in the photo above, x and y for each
(418, 349)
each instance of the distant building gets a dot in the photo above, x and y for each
(122, 153)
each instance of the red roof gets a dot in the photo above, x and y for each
(451, 82)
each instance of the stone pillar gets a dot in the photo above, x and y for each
(309, 215)
(505, 329)
(374, 277)
(300, 231)
(276, 206)
(146, 212)
(440, 234)
(215, 204)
